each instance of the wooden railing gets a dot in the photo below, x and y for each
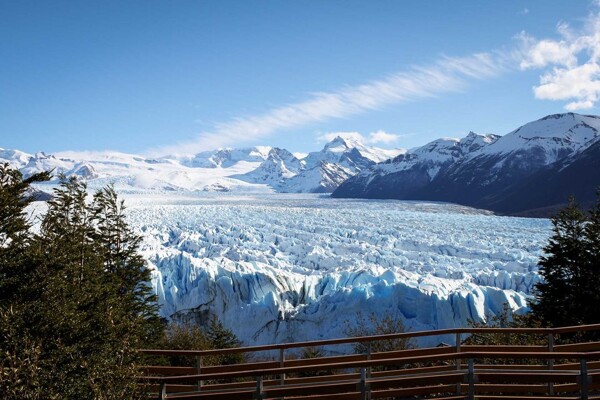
(559, 371)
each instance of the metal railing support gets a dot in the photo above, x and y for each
(369, 349)
(162, 393)
(471, 380)
(199, 371)
(583, 376)
(458, 340)
(364, 387)
(551, 362)
(282, 365)
(458, 361)
(259, 395)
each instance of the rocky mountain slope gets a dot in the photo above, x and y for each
(535, 167)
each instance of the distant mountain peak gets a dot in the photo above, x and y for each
(340, 143)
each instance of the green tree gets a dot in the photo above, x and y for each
(505, 319)
(15, 237)
(568, 294)
(373, 325)
(589, 278)
(312, 352)
(82, 301)
(220, 337)
(21, 372)
(184, 337)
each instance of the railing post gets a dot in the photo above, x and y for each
(282, 364)
(364, 387)
(471, 379)
(551, 362)
(369, 349)
(458, 340)
(199, 371)
(458, 361)
(162, 393)
(258, 395)
(583, 376)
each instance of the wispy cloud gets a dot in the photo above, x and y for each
(571, 63)
(449, 74)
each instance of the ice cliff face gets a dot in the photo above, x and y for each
(279, 268)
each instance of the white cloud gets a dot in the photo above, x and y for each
(547, 52)
(382, 137)
(580, 83)
(524, 11)
(447, 75)
(571, 63)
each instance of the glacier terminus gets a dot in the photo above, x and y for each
(294, 267)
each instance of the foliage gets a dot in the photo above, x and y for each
(505, 319)
(21, 372)
(77, 294)
(570, 270)
(388, 324)
(220, 337)
(15, 236)
(372, 326)
(194, 337)
(310, 353)
(183, 337)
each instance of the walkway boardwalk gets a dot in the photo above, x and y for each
(457, 371)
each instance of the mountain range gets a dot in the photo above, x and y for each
(255, 169)
(530, 171)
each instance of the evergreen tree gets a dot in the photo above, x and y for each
(82, 305)
(568, 294)
(590, 279)
(21, 374)
(14, 228)
(220, 337)
(125, 267)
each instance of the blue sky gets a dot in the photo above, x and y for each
(183, 76)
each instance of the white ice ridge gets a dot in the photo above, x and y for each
(279, 268)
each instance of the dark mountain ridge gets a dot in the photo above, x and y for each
(531, 171)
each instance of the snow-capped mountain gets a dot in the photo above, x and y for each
(350, 151)
(485, 170)
(320, 171)
(133, 172)
(411, 171)
(324, 178)
(225, 158)
(279, 166)
(256, 169)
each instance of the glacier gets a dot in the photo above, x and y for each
(294, 267)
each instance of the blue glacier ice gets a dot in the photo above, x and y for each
(281, 268)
